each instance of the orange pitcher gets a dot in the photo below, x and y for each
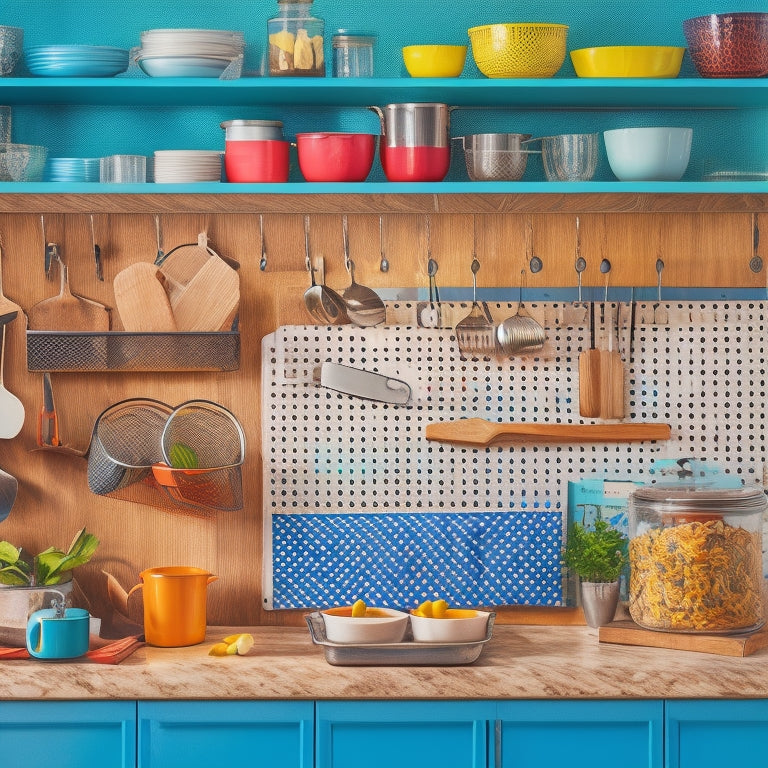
(174, 605)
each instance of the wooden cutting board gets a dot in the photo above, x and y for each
(629, 633)
(141, 300)
(180, 266)
(68, 312)
(210, 300)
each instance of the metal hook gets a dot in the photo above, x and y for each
(605, 268)
(756, 262)
(345, 235)
(96, 253)
(263, 260)
(580, 264)
(383, 263)
(659, 270)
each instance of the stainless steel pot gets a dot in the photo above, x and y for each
(252, 130)
(507, 142)
(415, 124)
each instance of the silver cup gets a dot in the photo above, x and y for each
(569, 157)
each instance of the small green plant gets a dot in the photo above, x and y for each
(597, 555)
(49, 567)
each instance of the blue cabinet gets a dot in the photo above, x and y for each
(579, 734)
(201, 734)
(68, 734)
(717, 733)
(405, 734)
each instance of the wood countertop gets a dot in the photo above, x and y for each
(519, 662)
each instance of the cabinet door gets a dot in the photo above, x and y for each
(406, 734)
(579, 734)
(201, 734)
(68, 734)
(712, 734)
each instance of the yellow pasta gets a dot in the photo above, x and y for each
(696, 577)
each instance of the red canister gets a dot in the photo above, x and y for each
(254, 151)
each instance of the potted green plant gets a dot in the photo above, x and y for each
(597, 556)
(28, 583)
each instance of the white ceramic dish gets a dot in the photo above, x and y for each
(648, 154)
(461, 630)
(389, 628)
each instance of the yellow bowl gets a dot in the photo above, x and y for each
(434, 60)
(628, 61)
(519, 50)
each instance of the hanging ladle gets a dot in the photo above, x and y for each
(322, 302)
(520, 332)
(364, 306)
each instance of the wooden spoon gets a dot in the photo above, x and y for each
(8, 309)
(481, 433)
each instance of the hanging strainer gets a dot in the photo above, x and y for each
(125, 443)
(200, 434)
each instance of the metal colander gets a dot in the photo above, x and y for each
(209, 430)
(126, 443)
(495, 164)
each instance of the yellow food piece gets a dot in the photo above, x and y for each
(219, 649)
(425, 609)
(303, 52)
(283, 40)
(238, 644)
(317, 45)
(439, 607)
(358, 609)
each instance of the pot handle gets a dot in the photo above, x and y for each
(379, 112)
(212, 578)
(133, 589)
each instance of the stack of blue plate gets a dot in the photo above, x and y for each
(76, 60)
(72, 169)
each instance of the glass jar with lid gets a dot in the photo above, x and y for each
(695, 557)
(296, 41)
(353, 53)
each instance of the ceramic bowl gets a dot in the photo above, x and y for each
(379, 625)
(434, 60)
(657, 61)
(728, 44)
(458, 626)
(648, 154)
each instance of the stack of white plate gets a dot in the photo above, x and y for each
(188, 52)
(185, 166)
(76, 60)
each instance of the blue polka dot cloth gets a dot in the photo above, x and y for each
(399, 559)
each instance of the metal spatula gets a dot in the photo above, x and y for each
(475, 333)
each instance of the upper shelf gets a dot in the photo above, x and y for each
(556, 93)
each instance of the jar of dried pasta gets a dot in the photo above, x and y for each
(695, 557)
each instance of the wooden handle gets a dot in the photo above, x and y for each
(479, 432)
(611, 385)
(589, 383)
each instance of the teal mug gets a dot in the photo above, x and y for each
(51, 635)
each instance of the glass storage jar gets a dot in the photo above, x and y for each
(353, 53)
(695, 557)
(296, 41)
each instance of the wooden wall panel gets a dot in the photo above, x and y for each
(702, 249)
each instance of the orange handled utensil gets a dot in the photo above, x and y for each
(48, 422)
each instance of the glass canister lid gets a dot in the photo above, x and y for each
(677, 499)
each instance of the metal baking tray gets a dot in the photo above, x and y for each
(405, 654)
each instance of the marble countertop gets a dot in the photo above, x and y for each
(519, 662)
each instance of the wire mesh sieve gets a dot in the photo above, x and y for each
(210, 430)
(125, 443)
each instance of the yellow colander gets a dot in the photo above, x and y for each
(519, 50)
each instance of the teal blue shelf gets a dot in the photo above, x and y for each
(556, 93)
(398, 188)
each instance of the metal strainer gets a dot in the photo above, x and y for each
(125, 443)
(209, 430)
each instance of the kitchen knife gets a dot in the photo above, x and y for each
(48, 423)
(366, 384)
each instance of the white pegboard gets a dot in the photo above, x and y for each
(701, 369)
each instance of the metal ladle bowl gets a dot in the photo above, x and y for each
(322, 302)
(363, 305)
(520, 333)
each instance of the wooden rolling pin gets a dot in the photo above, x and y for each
(481, 433)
